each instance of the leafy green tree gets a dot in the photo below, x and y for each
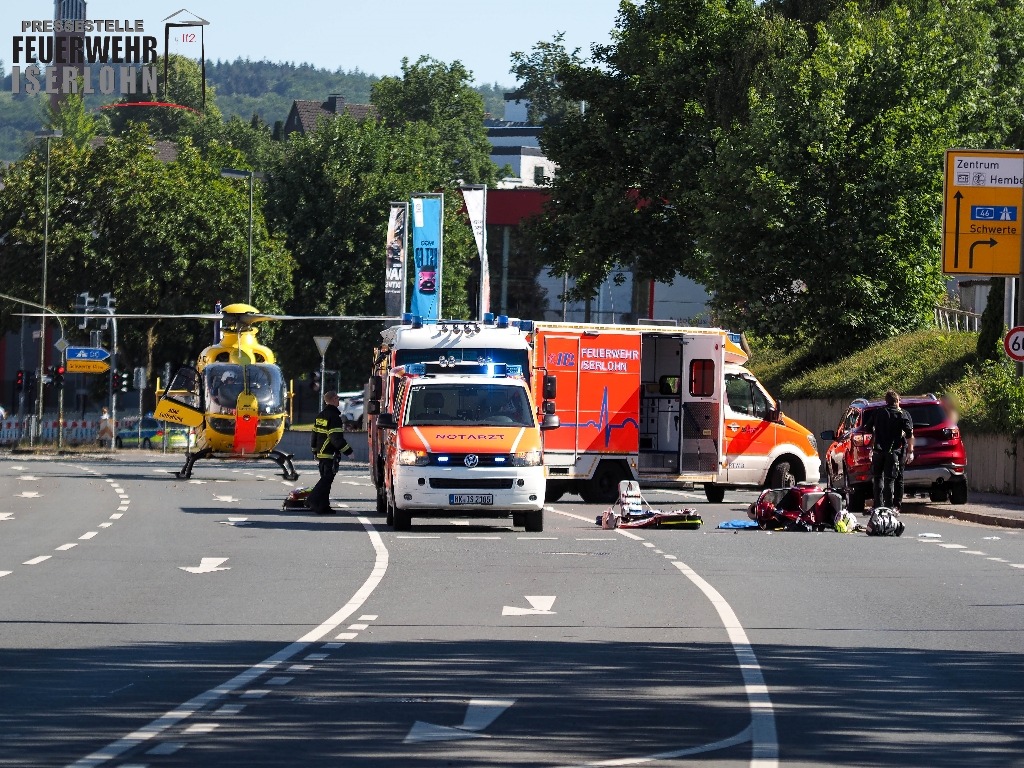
(441, 96)
(990, 334)
(74, 121)
(330, 197)
(626, 194)
(822, 208)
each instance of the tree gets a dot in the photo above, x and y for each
(441, 96)
(822, 209)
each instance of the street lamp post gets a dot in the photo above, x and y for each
(234, 173)
(46, 238)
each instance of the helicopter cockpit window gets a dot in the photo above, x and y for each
(226, 381)
(185, 388)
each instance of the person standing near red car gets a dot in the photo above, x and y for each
(892, 447)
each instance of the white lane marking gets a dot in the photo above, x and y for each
(117, 516)
(167, 748)
(204, 700)
(990, 538)
(368, 617)
(1017, 565)
(296, 668)
(5, 516)
(316, 656)
(999, 559)
(229, 499)
(236, 521)
(197, 482)
(255, 693)
(206, 565)
(541, 604)
(105, 525)
(27, 495)
(480, 713)
(952, 546)
(670, 557)
(66, 547)
(761, 731)
(202, 728)
(123, 508)
(229, 709)
(89, 535)
(358, 626)
(347, 636)
(648, 544)
(280, 680)
(5, 573)
(333, 646)
(972, 552)
(28, 477)
(37, 560)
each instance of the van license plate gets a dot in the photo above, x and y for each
(470, 498)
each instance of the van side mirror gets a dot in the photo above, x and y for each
(550, 387)
(548, 407)
(550, 421)
(374, 386)
(775, 414)
(828, 435)
(387, 421)
(373, 407)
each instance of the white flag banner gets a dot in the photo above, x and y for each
(476, 208)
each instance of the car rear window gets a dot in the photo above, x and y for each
(926, 414)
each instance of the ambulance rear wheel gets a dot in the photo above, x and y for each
(534, 520)
(603, 488)
(389, 508)
(403, 519)
(715, 493)
(554, 491)
(382, 502)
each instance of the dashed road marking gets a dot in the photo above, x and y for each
(37, 560)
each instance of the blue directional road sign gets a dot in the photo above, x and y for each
(87, 353)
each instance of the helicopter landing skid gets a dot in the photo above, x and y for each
(284, 461)
(191, 458)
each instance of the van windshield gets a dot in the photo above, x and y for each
(485, 405)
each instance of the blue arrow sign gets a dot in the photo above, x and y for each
(87, 353)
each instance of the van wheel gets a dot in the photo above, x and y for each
(603, 488)
(715, 493)
(403, 520)
(780, 476)
(553, 491)
(145, 443)
(389, 508)
(958, 493)
(117, 442)
(382, 502)
(535, 521)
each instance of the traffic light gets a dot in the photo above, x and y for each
(314, 384)
(58, 376)
(122, 380)
(84, 304)
(106, 305)
(19, 381)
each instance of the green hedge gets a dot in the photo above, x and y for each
(989, 395)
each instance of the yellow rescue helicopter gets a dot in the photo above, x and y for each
(236, 397)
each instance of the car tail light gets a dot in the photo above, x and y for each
(951, 433)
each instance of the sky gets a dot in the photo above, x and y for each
(357, 34)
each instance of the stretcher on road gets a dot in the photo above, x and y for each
(631, 510)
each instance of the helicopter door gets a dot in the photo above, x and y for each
(182, 401)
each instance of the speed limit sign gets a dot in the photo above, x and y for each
(1014, 343)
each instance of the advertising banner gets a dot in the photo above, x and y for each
(476, 208)
(394, 260)
(427, 249)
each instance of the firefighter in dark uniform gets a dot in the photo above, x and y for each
(328, 443)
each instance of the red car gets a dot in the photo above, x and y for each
(939, 468)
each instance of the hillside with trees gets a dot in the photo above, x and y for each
(243, 88)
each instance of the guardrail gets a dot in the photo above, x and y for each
(957, 319)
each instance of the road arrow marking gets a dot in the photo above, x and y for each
(479, 714)
(541, 605)
(6, 516)
(227, 499)
(206, 565)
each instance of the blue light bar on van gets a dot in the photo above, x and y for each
(407, 318)
(503, 321)
(734, 338)
(417, 321)
(514, 370)
(488, 318)
(526, 325)
(417, 369)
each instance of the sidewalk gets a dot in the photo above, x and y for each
(984, 508)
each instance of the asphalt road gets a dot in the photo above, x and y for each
(150, 621)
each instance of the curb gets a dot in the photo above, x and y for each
(983, 518)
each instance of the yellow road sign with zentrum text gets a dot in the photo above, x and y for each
(87, 366)
(982, 207)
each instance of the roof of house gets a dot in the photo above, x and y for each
(304, 113)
